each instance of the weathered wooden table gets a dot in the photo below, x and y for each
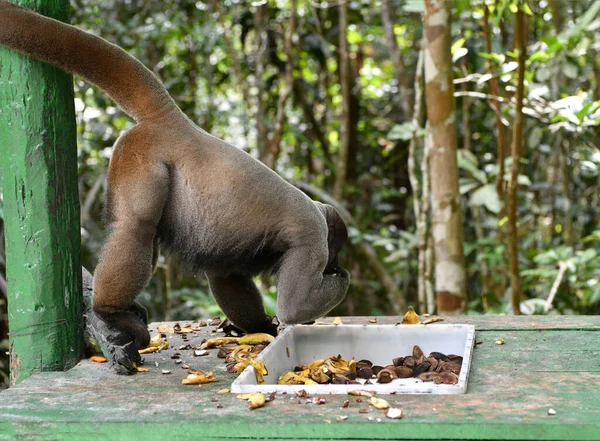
(546, 362)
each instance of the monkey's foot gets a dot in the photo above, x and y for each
(118, 347)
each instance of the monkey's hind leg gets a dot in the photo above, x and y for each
(241, 301)
(126, 261)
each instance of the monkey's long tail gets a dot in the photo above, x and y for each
(128, 82)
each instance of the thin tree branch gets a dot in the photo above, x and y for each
(562, 269)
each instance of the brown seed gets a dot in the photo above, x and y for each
(420, 368)
(364, 372)
(439, 356)
(346, 404)
(339, 379)
(301, 394)
(389, 371)
(359, 400)
(427, 376)
(219, 406)
(410, 362)
(478, 342)
(376, 369)
(450, 366)
(384, 377)
(363, 410)
(361, 363)
(398, 361)
(403, 372)
(350, 375)
(455, 358)
(433, 362)
(417, 352)
(446, 378)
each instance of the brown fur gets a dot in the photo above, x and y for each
(173, 185)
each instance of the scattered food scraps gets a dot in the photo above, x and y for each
(157, 343)
(551, 412)
(411, 317)
(373, 320)
(166, 372)
(500, 341)
(478, 342)
(379, 403)
(141, 369)
(199, 377)
(256, 400)
(98, 359)
(394, 413)
(223, 391)
(432, 320)
(336, 321)
(342, 418)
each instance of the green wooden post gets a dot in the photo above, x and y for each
(41, 207)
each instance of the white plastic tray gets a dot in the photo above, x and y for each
(300, 344)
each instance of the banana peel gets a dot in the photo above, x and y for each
(157, 343)
(291, 378)
(199, 377)
(259, 370)
(411, 317)
(255, 400)
(249, 339)
(379, 403)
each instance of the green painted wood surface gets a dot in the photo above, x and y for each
(41, 207)
(553, 364)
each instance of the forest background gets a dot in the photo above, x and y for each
(460, 142)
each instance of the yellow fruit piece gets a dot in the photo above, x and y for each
(141, 369)
(216, 342)
(411, 317)
(199, 377)
(362, 393)
(240, 366)
(379, 403)
(259, 370)
(255, 339)
(336, 321)
(337, 365)
(223, 391)
(98, 359)
(157, 343)
(318, 375)
(256, 399)
(313, 365)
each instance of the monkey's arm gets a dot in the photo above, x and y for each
(304, 292)
(241, 302)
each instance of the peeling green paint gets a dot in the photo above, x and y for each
(41, 209)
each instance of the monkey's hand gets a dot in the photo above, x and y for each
(117, 346)
(305, 296)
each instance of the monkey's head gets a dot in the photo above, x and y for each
(337, 236)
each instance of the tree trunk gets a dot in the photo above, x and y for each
(260, 17)
(446, 217)
(517, 143)
(344, 73)
(284, 91)
(405, 95)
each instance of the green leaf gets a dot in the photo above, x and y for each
(570, 70)
(458, 44)
(414, 6)
(401, 132)
(582, 22)
(459, 54)
(486, 196)
(468, 162)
